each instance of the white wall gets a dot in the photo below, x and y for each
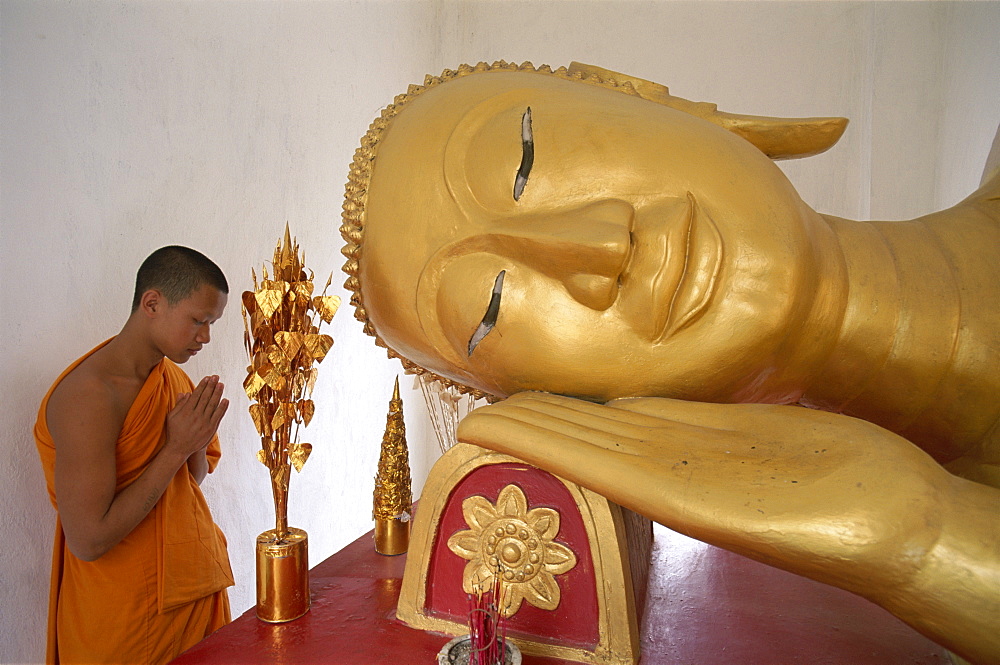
(130, 125)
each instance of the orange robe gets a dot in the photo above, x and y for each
(163, 587)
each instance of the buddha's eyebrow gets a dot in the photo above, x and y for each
(527, 154)
(490, 319)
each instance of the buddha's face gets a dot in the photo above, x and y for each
(648, 253)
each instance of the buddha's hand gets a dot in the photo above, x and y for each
(824, 495)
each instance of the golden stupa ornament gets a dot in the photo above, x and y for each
(518, 544)
(393, 498)
(282, 318)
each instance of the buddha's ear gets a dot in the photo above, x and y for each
(778, 138)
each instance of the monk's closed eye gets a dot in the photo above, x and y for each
(527, 155)
(492, 311)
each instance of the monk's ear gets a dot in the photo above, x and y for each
(151, 303)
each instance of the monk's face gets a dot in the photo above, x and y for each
(648, 253)
(182, 328)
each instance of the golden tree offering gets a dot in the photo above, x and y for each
(282, 318)
(393, 499)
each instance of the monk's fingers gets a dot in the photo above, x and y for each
(196, 397)
(219, 412)
(207, 395)
(215, 400)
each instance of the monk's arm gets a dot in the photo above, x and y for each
(85, 423)
(198, 464)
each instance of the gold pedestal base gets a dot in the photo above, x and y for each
(282, 576)
(392, 536)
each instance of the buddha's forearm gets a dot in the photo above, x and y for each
(955, 596)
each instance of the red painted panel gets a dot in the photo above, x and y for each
(575, 621)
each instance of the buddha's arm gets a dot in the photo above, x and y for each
(823, 495)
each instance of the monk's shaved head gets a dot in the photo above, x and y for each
(177, 272)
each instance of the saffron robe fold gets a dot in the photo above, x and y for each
(163, 587)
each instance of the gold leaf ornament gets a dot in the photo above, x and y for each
(252, 384)
(249, 302)
(272, 377)
(283, 341)
(306, 409)
(289, 343)
(303, 291)
(318, 346)
(327, 306)
(279, 476)
(276, 357)
(298, 453)
(304, 381)
(261, 419)
(285, 413)
(270, 295)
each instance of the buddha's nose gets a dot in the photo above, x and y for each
(585, 247)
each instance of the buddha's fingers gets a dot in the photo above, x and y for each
(615, 430)
(577, 408)
(652, 465)
(591, 461)
(759, 421)
(805, 470)
(637, 417)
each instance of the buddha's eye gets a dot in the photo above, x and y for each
(527, 155)
(490, 319)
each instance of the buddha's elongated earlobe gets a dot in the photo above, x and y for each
(778, 138)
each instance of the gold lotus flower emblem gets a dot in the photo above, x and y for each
(516, 543)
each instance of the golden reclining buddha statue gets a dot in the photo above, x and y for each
(659, 317)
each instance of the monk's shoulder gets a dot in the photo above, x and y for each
(90, 395)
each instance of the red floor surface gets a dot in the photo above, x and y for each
(706, 606)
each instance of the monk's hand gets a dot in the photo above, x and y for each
(823, 495)
(193, 421)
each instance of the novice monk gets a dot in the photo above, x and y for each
(139, 570)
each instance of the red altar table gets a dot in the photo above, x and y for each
(705, 606)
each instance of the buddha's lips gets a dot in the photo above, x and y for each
(681, 269)
(702, 261)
